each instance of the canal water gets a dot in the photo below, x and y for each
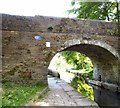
(105, 97)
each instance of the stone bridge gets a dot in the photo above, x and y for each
(26, 59)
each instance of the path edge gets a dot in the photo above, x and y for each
(43, 92)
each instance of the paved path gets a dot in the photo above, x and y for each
(61, 94)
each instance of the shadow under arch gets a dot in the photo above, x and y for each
(105, 58)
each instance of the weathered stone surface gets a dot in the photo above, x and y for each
(27, 59)
(111, 87)
(58, 97)
(85, 102)
(98, 83)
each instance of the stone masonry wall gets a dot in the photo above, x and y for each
(26, 59)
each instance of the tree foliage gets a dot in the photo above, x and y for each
(96, 10)
(78, 60)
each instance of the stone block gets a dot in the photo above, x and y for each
(98, 83)
(111, 87)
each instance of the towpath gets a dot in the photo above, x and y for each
(62, 94)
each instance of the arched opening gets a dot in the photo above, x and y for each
(74, 68)
(105, 63)
(105, 59)
(67, 64)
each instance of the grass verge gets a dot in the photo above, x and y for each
(18, 94)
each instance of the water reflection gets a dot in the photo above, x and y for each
(105, 97)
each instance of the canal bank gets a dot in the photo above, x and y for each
(111, 87)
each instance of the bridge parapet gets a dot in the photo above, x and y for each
(58, 25)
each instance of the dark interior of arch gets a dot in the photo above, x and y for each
(105, 64)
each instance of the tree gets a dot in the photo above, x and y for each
(78, 60)
(96, 10)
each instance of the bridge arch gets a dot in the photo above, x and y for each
(104, 58)
(91, 42)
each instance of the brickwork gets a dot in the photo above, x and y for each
(26, 59)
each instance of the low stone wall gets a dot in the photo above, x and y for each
(105, 85)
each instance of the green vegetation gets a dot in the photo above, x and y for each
(108, 11)
(78, 60)
(83, 66)
(79, 84)
(70, 62)
(18, 94)
(67, 63)
(96, 10)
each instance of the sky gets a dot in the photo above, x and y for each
(36, 7)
